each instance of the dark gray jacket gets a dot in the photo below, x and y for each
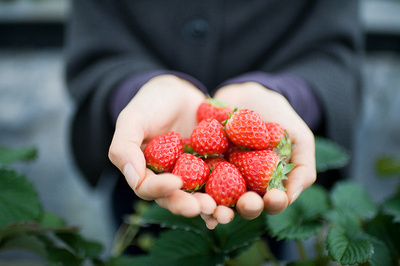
(211, 40)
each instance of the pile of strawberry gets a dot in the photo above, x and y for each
(228, 153)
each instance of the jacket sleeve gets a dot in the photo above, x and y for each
(101, 52)
(328, 45)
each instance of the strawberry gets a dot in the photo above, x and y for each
(212, 162)
(233, 147)
(209, 138)
(246, 128)
(279, 142)
(162, 152)
(262, 169)
(225, 184)
(192, 170)
(186, 145)
(213, 108)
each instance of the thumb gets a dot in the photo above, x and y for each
(125, 152)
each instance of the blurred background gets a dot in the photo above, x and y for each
(35, 108)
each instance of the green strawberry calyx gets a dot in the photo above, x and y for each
(217, 103)
(230, 115)
(279, 175)
(155, 169)
(284, 148)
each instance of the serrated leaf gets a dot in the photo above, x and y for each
(383, 228)
(352, 196)
(49, 219)
(301, 219)
(8, 155)
(345, 219)
(388, 165)
(239, 233)
(18, 199)
(392, 207)
(381, 254)
(126, 260)
(163, 217)
(329, 155)
(180, 247)
(60, 256)
(82, 247)
(21, 228)
(348, 248)
(25, 242)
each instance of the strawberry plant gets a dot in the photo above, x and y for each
(344, 226)
(25, 225)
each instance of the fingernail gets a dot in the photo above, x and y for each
(211, 224)
(205, 217)
(296, 194)
(131, 176)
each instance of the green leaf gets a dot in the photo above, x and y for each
(350, 195)
(381, 254)
(61, 256)
(329, 155)
(348, 248)
(392, 207)
(18, 199)
(166, 219)
(254, 255)
(82, 247)
(345, 219)
(302, 219)
(126, 260)
(21, 228)
(239, 233)
(181, 247)
(8, 156)
(51, 220)
(25, 242)
(383, 228)
(388, 165)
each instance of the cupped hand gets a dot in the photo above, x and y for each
(272, 107)
(165, 103)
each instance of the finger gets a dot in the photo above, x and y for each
(275, 201)
(125, 149)
(250, 205)
(207, 203)
(223, 214)
(304, 174)
(180, 203)
(158, 185)
(211, 223)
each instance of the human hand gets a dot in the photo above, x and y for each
(165, 103)
(272, 107)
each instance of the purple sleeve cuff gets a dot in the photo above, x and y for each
(297, 91)
(128, 89)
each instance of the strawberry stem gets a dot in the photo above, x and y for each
(279, 175)
(155, 169)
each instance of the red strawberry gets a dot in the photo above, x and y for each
(213, 108)
(162, 152)
(186, 146)
(262, 169)
(212, 162)
(209, 138)
(225, 184)
(193, 171)
(279, 142)
(246, 128)
(233, 147)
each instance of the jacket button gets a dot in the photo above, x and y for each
(196, 28)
